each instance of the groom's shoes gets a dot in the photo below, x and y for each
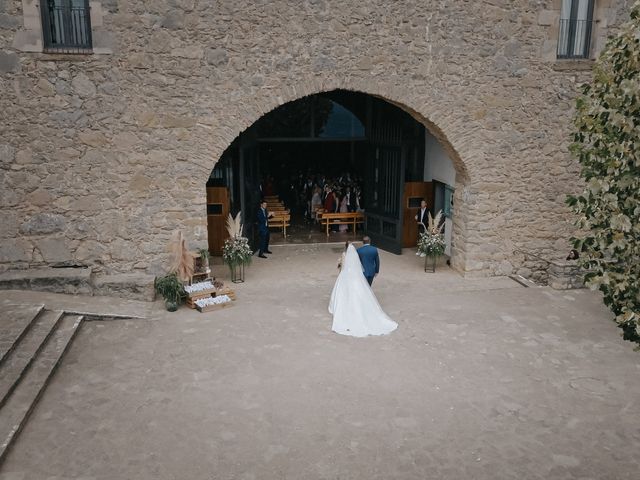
(268, 251)
(262, 255)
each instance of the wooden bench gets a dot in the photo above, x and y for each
(280, 219)
(349, 218)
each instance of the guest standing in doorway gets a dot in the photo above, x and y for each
(422, 216)
(263, 229)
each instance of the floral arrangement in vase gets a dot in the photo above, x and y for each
(431, 242)
(236, 250)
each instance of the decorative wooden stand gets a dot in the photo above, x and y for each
(211, 308)
(191, 299)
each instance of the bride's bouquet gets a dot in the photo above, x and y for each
(431, 242)
(236, 250)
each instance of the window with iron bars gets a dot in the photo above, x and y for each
(66, 26)
(576, 24)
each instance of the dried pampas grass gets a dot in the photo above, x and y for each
(234, 225)
(181, 259)
(435, 224)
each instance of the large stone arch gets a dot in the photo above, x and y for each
(450, 132)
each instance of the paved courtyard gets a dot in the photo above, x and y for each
(484, 379)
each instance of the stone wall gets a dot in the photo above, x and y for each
(103, 156)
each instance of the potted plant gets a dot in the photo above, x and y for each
(431, 243)
(236, 252)
(171, 289)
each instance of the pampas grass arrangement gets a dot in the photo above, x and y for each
(431, 242)
(181, 258)
(236, 250)
(234, 225)
(435, 224)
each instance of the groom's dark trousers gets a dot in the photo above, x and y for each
(370, 261)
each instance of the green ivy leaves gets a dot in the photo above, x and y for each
(607, 144)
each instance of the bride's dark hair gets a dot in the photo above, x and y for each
(346, 244)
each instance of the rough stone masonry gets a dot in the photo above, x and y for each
(103, 155)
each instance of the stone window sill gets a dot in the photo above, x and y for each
(573, 64)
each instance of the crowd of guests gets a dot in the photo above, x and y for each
(306, 194)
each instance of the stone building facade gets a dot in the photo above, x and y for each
(104, 154)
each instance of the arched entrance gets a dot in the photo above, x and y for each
(357, 143)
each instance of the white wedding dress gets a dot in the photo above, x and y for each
(356, 311)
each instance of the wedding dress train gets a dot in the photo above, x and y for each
(356, 311)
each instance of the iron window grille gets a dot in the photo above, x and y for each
(66, 26)
(576, 25)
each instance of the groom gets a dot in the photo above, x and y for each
(369, 259)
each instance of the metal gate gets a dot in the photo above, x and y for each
(384, 178)
(384, 196)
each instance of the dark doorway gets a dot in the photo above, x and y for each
(340, 138)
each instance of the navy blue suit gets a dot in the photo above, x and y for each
(263, 230)
(370, 261)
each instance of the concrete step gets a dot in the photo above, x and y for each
(24, 397)
(17, 363)
(15, 321)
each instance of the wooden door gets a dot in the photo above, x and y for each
(414, 193)
(217, 214)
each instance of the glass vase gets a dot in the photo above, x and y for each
(430, 263)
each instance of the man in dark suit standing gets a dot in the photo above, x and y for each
(369, 259)
(263, 229)
(422, 216)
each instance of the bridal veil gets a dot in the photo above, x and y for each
(356, 311)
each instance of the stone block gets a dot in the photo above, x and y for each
(39, 198)
(67, 119)
(216, 57)
(566, 276)
(173, 20)
(7, 155)
(9, 21)
(15, 250)
(93, 139)
(103, 42)
(45, 88)
(27, 41)
(548, 17)
(54, 250)
(89, 251)
(96, 13)
(109, 5)
(9, 62)
(83, 86)
(41, 223)
(548, 52)
(138, 286)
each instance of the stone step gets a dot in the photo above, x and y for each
(15, 321)
(16, 410)
(17, 363)
(59, 280)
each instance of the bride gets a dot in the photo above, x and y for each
(356, 311)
